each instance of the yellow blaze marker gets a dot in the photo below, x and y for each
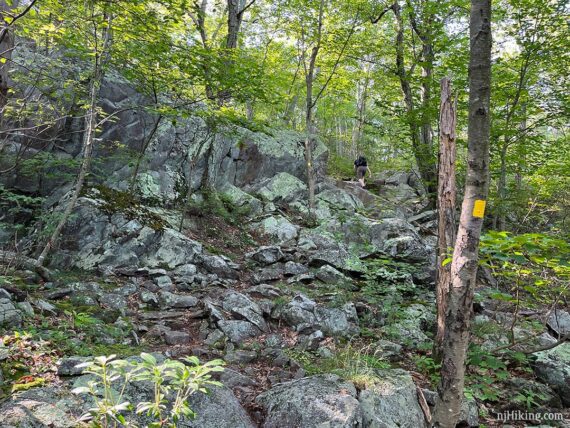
(479, 208)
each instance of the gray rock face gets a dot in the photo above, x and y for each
(41, 408)
(335, 202)
(269, 273)
(173, 337)
(217, 409)
(391, 402)
(238, 331)
(9, 315)
(282, 187)
(56, 407)
(553, 368)
(305, 315)
(292, 268)
(266, 255)
(217, 265)
(411, 328)
(94, 239)
(177, 152)
(313, 402)
(171, 300)
(559, 321)
(278, 228)
(67, 366)
(330, 275)
(244, 308)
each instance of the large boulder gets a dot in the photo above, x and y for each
(559, 322)
(41, 408)
(305, 315)
(240, 199)
(10, 316)
(391, 402)
(553, 368)
(278, 228)
(242, 307)
(283, 187)
(219, 408)
(336, 202)
(96, 237)
(363, 236)
(412, 325)
(313, 402)
(266, 255)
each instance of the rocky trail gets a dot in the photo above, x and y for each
(321, 324)
(273, 312)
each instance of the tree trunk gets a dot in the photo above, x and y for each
(200, 22)
(236, 10)
(309, 139)
(235, 16)
(309, 119)
(446, 207)
(100, 61)
(361, 95)
(465, 255)
(6, 47)
(426, 131)
(420, 135)
(502, 187)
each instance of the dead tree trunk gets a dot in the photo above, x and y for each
(465, 255)
(446, 207)
(100, 60)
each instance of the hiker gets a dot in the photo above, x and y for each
(361, 167)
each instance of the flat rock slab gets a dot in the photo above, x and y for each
(312, 402)
(391, 402)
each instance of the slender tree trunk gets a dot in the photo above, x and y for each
(249, 109)
(6, 47)
(309, 119)
(502, 187)
(236, 10)
(426, 130)
(361, 95)
(465, 255)
(235, 16)
(419, 120)
(446, 207)
(408, 97)
(199, 18)
(309, 141)
(100, 61)
(289, 115)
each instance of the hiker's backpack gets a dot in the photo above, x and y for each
(361, 161)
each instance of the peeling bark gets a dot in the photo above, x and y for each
(446, 207)
(465, 255)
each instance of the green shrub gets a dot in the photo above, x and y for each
(173, 382)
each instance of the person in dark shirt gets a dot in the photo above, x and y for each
(361, 167)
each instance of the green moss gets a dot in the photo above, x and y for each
(115, 201)
(38, 381)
